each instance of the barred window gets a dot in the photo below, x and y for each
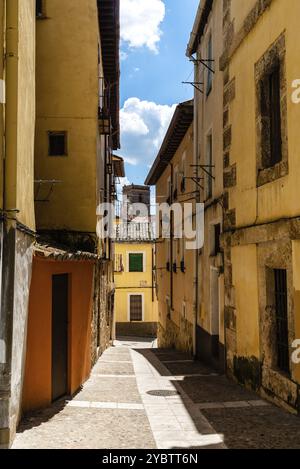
(136, 308)
(271, 113)
(118, 264)
(282, 328)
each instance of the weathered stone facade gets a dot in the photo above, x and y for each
(16, 268)
(180, 338)
(267, 240)
(103, 309)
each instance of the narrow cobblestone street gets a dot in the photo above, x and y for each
(142, 397)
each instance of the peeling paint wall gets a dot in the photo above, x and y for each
(23, 270)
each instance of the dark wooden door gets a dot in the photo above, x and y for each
(59, 336)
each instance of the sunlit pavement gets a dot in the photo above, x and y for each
(142, 397)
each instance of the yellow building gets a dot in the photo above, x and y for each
(17, 122)
(135, 298)
(205, 48)
(70, 321)
(261, 240)
(172, 174)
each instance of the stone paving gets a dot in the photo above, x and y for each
(142, 397)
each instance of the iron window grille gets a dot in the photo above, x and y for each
(281, 310)
(271, 112)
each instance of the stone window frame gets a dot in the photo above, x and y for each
(274, 255)
(273, 56)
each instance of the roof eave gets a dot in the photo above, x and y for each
(109, 20)
(199, 26)
(184, 109)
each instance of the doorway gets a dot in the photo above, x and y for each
(60, 306)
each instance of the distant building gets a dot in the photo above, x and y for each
(135, 297)
(261, 175)
(59, 125)
(136, 195)
(172, 175)
(207, 45)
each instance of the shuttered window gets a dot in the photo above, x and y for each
(136, 308)
(119, 263)
(136, 262)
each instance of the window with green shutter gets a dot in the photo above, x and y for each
(136, 263)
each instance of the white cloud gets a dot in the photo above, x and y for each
(136, 69)
(132, 122)
(140, 23)
(143, 127)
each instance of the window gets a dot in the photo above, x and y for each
(209, 64)
(39, 5)
(136, 262)
(209, 162)
(58, 143)
(271, 114)
(136, 308)
(183, 174)
(216, 233)
(281, 310)
(175, 183)
(272, 159)
(169, 194)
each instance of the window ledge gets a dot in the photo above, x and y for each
(268, 175)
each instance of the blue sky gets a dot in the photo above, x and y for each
(154, 35)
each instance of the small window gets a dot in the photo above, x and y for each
(183, 174)
(136, 308)
(271, 115)
(209, 65)
(39, 5)
(216, 247)
(175, 182)
(58, 144)
(136, 262)
(275, 117)
(209, 169)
